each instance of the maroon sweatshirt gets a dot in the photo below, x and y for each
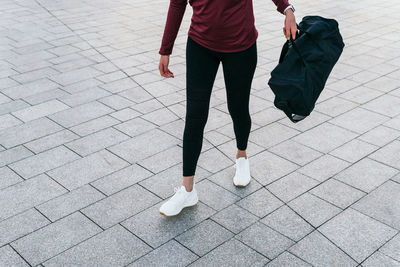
(220, 25)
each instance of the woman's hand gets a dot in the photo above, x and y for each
(163, 67)
(290, 25)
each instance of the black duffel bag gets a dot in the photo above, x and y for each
(304, 66)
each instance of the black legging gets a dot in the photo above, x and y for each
(201, 69)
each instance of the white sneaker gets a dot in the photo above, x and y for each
(242, 175)
(179, 200)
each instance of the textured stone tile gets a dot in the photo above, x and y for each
(14, 154)
(87, 169)
(357, 234)
(272, 134)
(366, 174)
(325, 137)
(70, 202)
(380, 259)
(384, 84)
(51, 141)
(260, 203)
(267, 116)
(8, 177)
(314, 119)
(380, 136)
(359, 120)
(392, 248)
(204, 237)
(214, 160)
(267, 167)
(337, 193)
(40, 110)
(27, 194)
(94, 125)
(120, 206)
(27, 132)
(386, 105)
(361, 94)
(382, 204)
(80, 114)
(12, 106)
(389, 154)
(264, 240)
(75, 75)
(121, 179)
(156, 229)
(215, 196)
(334, 106)
(31, 88)
(8, 257)
(138, 148)
(313, 209)
(170, 254)
(295, 152)
(287, 222)
(287, 259)
(45, 96)
(291, 186)
(323, 167)
(234, 218)
(163, 160)
(343, 85)
(85, 96)
(55, 238)
(116, 102)
(114, 247)
(44, 161)
(97, 141)
(354, 150)
(20, 225)
(319, 251)
(7, 121)
(231, 253)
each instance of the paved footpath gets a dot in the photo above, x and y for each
(91, 144)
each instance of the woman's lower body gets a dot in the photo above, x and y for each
(201, 68)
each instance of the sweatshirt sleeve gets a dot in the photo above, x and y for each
(174, 19)
(281, 5)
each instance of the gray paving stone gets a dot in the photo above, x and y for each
(232, 253)
(380, 259)
(204, 237)
(8, 257)
(214, 195)
(87, 169)
(44, 161)
(27, 132)
(156, 229)
(7, 120)
(361, 94)
(234, 218)
(392, 248)
(287, 259)
(170, 254)
(295, 152)
(354, 150)
(319, 251)
(55, 238)
(27, 194)
(389, 154)
(386, 105)
(380, 135)
(51, 141)
(94, 125)
(80, 114)
(267, 167)
(120, 206)
(313, 209)
(40, 110)
(357, 234)
(14, 154)
(287, 222)
(291, 186)
(75, 76)
(260, 203)
(20, 225)
(366, 174)
(70, 202)
(116, 102)
(11, 106)
(114, 247)
(382, 204)
(97, 141)
(337, 193)
(137, 149)
(275, 132)
(264, 240)
(31, 88)
(163, 160)
(334, 106)
(85, 96)
(45, 96)
(121, 85)
(323, 167)
(359, 120)
(325, 137)
(8, 177)
(121, 179)
(125, 114)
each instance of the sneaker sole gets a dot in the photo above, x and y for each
(191, 205)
